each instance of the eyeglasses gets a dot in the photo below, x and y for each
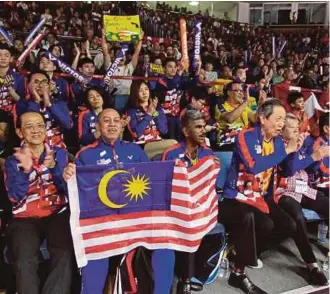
(42, 82)
(238, 90)
(38, 127)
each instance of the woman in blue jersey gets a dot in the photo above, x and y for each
(87, 119)
(147, 119)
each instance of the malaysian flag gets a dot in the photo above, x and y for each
(115, 209)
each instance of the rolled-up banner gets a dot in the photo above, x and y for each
(27, 51)
(121, 53)
(321, 70)
(282, 47)
(67, 68)
(6, 36)
(273, 46)
(184, 44)
(197, 43)
(35, 30)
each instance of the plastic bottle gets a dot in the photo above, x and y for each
(322, 232)
(325, 264)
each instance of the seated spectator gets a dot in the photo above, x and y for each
(246, 211)
(297, 103)
(306, 80)
(190, 150)
(40, 212)
(87, 119)
(55, 112)
(278, 75)
(233, 115)
(199, 100)
(147, 119)
(319, 172)
(86, 67)
(224, 78)
(59, 87)
(208, 75)
(259, 91)
(294, 193)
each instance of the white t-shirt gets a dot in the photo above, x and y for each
(123, 86)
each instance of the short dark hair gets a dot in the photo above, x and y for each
(167, 60)
(267, 108)
(229, 87)
(323, 121)
(199, 93)
(5, 46)
(98, 90)
(38, 72)
(293, 97)
(19, 119)
(85, 60)
(191, 115)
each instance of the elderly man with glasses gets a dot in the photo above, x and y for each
(33, 177)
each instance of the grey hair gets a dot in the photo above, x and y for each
(190, 116)
(267, 108)
(291, 116)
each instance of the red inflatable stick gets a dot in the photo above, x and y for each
(184, 44)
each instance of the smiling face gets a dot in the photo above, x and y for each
(236, 94)
(33, 129)
(273, 125)
(110, 125)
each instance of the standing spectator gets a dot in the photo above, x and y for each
(37, 190)
(121, 88)
(169, 91)
(13, 83)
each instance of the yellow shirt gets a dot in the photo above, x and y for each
(228, 131)
(267, 149)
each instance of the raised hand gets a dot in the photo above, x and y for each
(69, 171)
(25, 157)
(49, 161)
(321, 153)
(292, 146)
(152, 107)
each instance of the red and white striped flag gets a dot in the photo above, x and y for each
(190, 213)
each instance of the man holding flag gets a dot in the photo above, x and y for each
(190, 150)
(109, 149)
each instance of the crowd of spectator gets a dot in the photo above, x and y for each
(232, 89)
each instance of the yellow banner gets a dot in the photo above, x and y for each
(122, 28)
(156, 68)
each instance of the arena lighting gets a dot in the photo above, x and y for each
(194, 3)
